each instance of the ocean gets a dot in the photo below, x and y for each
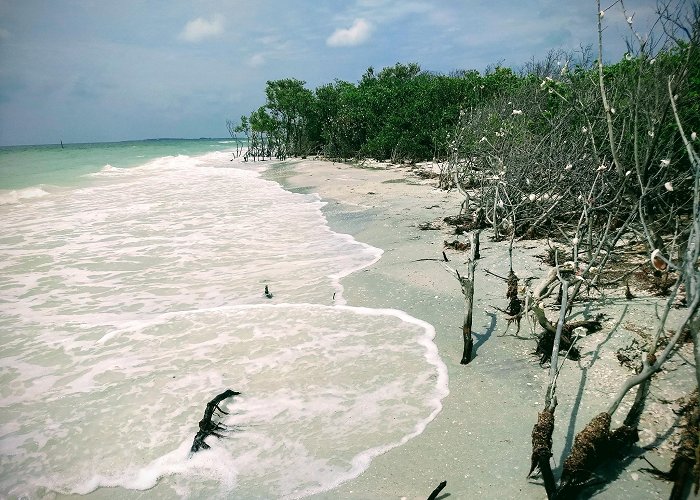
(131, 293)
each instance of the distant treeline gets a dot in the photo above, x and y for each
(405, 113)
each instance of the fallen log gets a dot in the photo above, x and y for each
(206, 426)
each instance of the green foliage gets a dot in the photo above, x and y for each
(403, 113)
(292, 108)
(399, 113)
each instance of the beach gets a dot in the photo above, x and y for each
(480, 442)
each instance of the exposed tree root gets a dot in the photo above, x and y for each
(546, 339)
(596, 444)
(542, 449)
(545, 343)
(589, 447)
(512, 283)
(684, 467)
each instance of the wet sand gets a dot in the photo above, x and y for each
(480, 441)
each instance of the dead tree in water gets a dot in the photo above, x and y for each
(206, 426)
(467, 285)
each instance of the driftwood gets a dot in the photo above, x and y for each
(206, 426)
(545, 342)
(468, 292)
(428, 226)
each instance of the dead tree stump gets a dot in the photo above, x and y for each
(466, 283)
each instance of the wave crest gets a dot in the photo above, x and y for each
(11, 197)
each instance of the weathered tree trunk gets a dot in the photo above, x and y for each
(543, 429)
(467, 285)
(474, 242)
(468, 292)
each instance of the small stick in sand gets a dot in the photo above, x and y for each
(437, 490)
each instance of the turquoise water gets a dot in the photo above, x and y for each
(28, 166)
(131, 293)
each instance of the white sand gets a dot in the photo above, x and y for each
(480, 442)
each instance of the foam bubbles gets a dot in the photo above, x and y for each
(9, 197)
(324, 389)
(130, 303)
(109, 171)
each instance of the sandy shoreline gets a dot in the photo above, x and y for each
(480, 441)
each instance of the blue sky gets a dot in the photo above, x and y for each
(102, 70)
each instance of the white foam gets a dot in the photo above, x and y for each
(127, 304)
(9, 197)
(215, 463)
(109, 171)
(337, 407)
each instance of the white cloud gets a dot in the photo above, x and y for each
(256, 60)
(4, 34)
(356, 34)
(200, 28)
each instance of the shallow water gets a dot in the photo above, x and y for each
(132, 297)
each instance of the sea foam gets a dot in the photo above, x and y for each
(9, 197)
(128, 304)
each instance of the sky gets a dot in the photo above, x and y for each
(105, 70)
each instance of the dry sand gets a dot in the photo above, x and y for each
(480, 441)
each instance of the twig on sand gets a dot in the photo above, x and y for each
(437, 490)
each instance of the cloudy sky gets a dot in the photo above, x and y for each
(103, 70)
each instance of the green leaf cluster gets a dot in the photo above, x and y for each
(401, 113)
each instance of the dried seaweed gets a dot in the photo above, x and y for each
(457, 245)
